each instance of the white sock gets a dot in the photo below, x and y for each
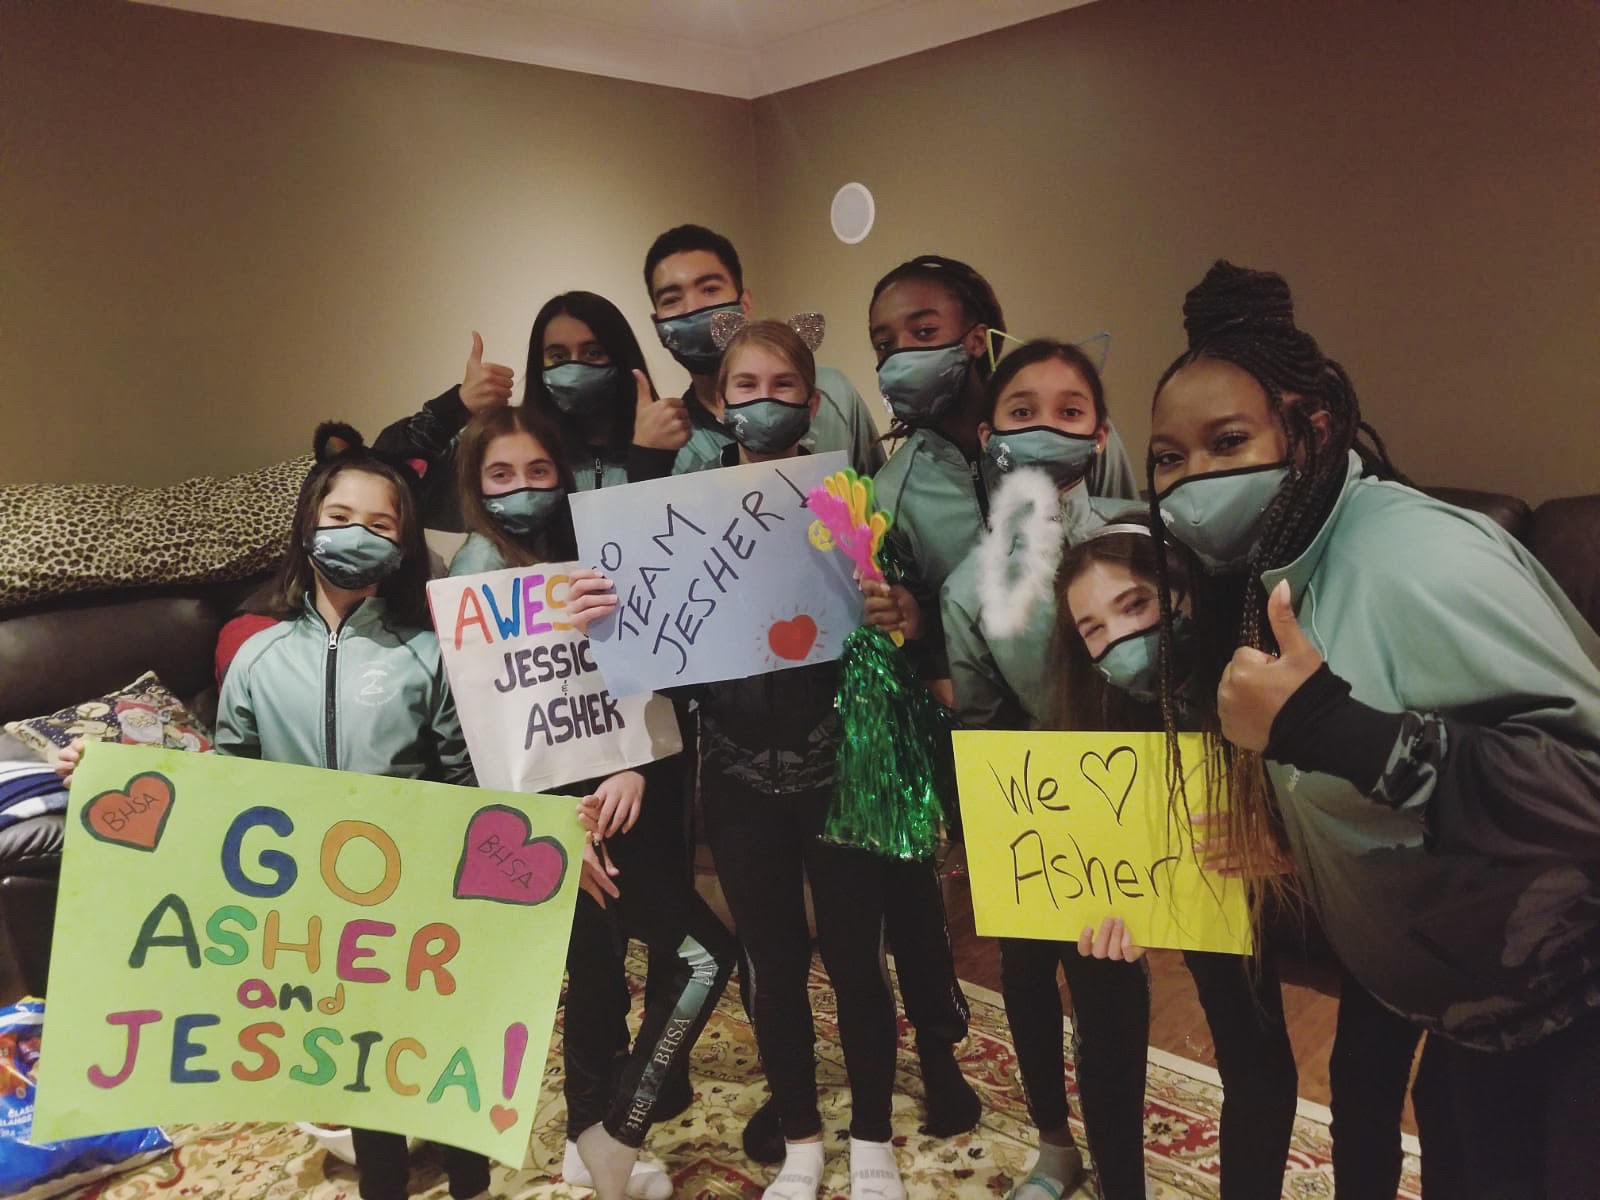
(801, 1174)
(874, 1174)
(610, 1163)
(647, 1182)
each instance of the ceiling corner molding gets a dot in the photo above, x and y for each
(539, 38)
(782, 46)
(884, 33)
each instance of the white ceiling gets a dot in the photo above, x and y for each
(744, 48)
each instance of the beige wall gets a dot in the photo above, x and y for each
(214, 233)
(1426, 175)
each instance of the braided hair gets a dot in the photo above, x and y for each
(1246, 318)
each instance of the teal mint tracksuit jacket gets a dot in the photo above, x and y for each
(370, 696)
(939, 506)
(1439, 778)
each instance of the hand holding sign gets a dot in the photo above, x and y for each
(590, 596)
(597, 873)
(1214, 845)
(485, 385)
(658, 424)
(1112, 940)
(618, 800)
(1256, 685)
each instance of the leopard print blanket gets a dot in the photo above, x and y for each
(61, 539)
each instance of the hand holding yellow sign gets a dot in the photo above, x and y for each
(1066, 829)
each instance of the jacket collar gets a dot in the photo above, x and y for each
(1300, 571)
(366, 615)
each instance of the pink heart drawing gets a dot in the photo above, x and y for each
(503, 862)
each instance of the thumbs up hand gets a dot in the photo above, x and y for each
(485, 385)
(658, 424)
(1255, 686)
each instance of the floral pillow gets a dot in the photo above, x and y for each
(144, 713)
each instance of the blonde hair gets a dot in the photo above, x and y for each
(780, 340)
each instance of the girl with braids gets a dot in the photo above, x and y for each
(1001, 607)
(1404, 691)
(513, 480)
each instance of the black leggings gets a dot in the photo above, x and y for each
(924, 961)
(765, 847)
(694, 953)
(1243, 1004)
(1111, 1025)
(1524, 1120)
(1368, 1072)
(383, 1167)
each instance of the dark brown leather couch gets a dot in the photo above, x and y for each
(67, 651)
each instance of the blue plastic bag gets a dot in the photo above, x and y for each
(24, 1166)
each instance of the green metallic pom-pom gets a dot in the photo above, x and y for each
(894, 760)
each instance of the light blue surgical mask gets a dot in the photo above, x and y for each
(1066, 457)
(688, 339)
(1132, 663)
(1219, 515)
(352, 556)
(581, 389)
(524, 511)
(766, 425)
(922, 383)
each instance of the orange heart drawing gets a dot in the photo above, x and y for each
(792, 639)
(502, 1118)
(135, 816)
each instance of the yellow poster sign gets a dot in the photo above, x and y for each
(1066, 829)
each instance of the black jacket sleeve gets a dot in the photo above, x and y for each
(1509, 790)
(430, 434)
(647, 462)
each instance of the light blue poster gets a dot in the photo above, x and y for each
(718, 575)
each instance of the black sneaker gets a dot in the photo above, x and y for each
(953, 1107)
(763, 1134)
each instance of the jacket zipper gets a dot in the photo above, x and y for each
(599, 473)
(330, 724)
(980, 492)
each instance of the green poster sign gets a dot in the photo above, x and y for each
(238, 940)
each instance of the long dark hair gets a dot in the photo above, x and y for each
(555, 542)
(979, 304)
(404, 593)
(1043, 350)
(1083, 697)
(612, 331)
(1246, 318)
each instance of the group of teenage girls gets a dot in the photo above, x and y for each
(1400, 705)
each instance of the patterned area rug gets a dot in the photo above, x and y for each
(701, 1148)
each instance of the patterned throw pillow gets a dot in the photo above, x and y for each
(61, 539)
(144, 713)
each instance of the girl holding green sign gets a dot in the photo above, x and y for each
(351, 606)
(1406, 690)
(514, 480)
